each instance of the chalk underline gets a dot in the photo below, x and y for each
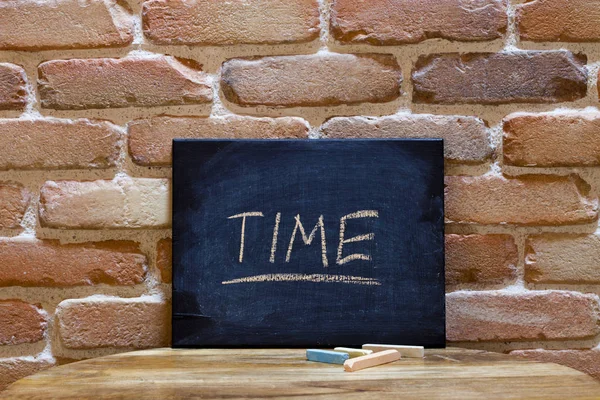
(353, 280)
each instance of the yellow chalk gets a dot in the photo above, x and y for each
(406, 351)
(371, 360)
(353, 352)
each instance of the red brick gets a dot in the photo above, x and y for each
(482, 259)
(121, 82)
(150, 140)
(137, 323)
(496, 316)
(14, 199)
(57, 144)
(390, 22)
(587, 361)
(500, 78)
(216, 22)
(48, 263)
(13, 369)
(119, 203)
(552, 140)
(20, 322)
(559, 20)
(65, 24)
(322, 79)
(13, 95)
(556, 258)
(164, 254)
(526, 200)
(465, 138)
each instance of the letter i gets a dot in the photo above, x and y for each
(275, 234)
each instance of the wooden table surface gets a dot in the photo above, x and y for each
(273, 374)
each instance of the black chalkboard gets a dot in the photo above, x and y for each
(377, 276)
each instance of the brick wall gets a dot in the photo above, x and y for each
(91, 94)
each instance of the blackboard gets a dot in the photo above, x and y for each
(366, 263)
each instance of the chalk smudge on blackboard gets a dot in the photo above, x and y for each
(355, 280)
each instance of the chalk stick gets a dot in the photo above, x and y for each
(353, 352)
(406, 351)
(371, 360)
(326, 356)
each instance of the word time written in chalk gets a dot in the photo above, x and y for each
(319, 228)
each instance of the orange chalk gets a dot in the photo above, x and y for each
(371, 360)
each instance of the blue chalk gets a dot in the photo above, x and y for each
(326, 356)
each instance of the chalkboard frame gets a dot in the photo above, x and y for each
(436, 341)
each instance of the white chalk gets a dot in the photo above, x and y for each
(406, 351)
(353, 352)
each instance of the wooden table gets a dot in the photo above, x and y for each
(273, 374)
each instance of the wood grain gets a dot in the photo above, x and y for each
(274, 374)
